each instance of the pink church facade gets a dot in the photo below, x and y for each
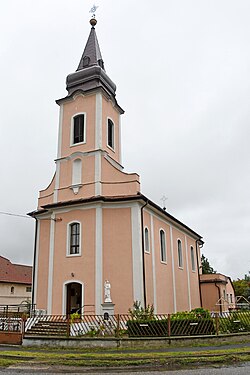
(94, 224)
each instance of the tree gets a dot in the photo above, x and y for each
(206, 268)
(242, 286)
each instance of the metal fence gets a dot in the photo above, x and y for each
(127, 326)
(11, 324)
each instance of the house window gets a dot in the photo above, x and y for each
(110, 133)
(74, 240)
(180, 259)
(146, 240)
(163, 246)
(12, 290)
(192, 258)
(231, 298)
(28, 289)
(78, 129)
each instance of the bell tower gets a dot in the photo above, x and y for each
(88, 160)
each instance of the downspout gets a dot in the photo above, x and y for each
(143, 257)
(198, 271)
(34, 266)
(219, 295)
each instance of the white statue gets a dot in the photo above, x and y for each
(107, 295)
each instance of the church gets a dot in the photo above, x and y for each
(93, 224)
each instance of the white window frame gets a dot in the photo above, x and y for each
(72, 144)
(192, 259)
(165, 242)
(180, 266)
(111, 148)
(68, 239)
(148, 240)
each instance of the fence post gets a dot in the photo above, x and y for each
(23, 325)
(118, 325)
(68, 326)
(217, 323)
(169, 325)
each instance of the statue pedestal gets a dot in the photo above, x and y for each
(108, 307)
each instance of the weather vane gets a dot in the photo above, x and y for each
(93, 10)
(164, 199)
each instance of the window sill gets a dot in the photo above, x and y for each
(163, 262)
(77, 144)
(73, 255)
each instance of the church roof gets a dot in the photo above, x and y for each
(92, 53)
(90, 74)
(114, 199)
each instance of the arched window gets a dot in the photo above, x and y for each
(78, 129)
(74, 238)
(146, 240)
(12, 290)
(163, 246)
(110, 134)
(77, 172)
(192, 258)
(180, 259)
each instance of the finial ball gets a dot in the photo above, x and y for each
(93, 22)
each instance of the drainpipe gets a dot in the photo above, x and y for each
(198, 271)
(219, 296)
(34, 266)
(143, 258)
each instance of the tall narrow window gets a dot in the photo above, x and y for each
(74, 232)
(12, 290)
(192, 258)
(78, 129)
(110, 134)
(180, 260)
(163, 246)
(146, 240)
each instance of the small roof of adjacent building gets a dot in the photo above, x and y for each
(14, 273)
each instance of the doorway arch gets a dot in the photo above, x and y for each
(73, 297)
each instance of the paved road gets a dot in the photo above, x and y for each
(243, 369)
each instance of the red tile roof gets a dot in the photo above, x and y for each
(14, 273)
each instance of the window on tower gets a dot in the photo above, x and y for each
(74, 241)
(111, 142)
(78, 129)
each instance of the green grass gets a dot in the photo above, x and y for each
(123, 359)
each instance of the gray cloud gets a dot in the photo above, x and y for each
(183, 77)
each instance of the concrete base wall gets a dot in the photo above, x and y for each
(130, 343)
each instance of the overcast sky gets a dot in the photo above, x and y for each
(182, 70)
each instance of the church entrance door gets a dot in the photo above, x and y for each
(74, 298)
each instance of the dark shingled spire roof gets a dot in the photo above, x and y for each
(90, 74)
(92, 53)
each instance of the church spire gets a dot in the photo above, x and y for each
(92, 53)
(90, 74)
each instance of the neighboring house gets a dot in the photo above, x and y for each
(15, 282)
(217, 292)
(93, 224)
